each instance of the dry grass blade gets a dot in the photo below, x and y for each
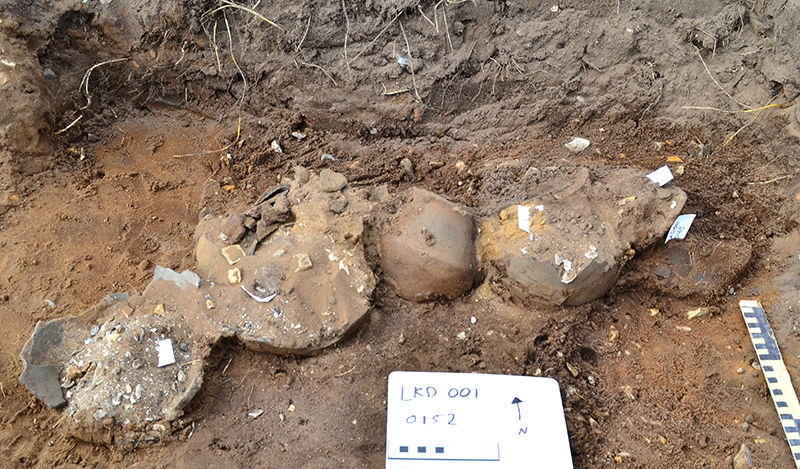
(330, 77)
(346, 35)
(228, 4)
(84, 88)
(697, 51)
(241, 99)
(410, 62)
(708, 108)
(759, 110)
(300, 44)
(376, 37)
(70, 125)
(85, 81)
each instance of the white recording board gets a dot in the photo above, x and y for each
(462, 420)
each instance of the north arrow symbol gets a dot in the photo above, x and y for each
(518, 401)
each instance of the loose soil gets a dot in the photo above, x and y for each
(90, 207)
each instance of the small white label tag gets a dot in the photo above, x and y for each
(680, 227)
(166, 355)
(524, 218)
(662, 175)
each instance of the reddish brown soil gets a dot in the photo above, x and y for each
(77, 228)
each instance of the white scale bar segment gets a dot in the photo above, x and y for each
(778, 380)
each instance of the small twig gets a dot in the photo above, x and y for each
(229, 4)
(346, 372)
(591, 65)
(520, 70)
(376, 37)
(714, 50)
(446, 29)
(216, 48)
(707, 108)
(392, 93)
(226, 366)
(717, 83)
(241, 100)
(744, 126)
(653, 104)
(85, 81)
(300, 44)
(770, 181)
(183, 52)
(330, 77)
(346, 34)
(410, 62)
(436, 15)
(70, 125)
(419, 7)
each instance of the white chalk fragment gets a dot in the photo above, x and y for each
(578, 144)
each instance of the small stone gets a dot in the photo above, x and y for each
(138, 392)
(100, 414)
(234, 276)
(181, 376)
(160, 428)
(436, 164)
(573, 369)
(250, 222)
(276, 146)
(234, 228)
(128, 388)
(408, 168)
(740, 370)
(745, 426)
(94, 331)
(338, 205)
(159, 310)
(473, 319)
(749, 418)
(742, 460)
(578, 144)
(331, 181)
(300, 175)
(210, 304)
(257, 413)
(756, 365)
(184, 347)
(303, 262)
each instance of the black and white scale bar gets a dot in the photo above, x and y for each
(778, 380)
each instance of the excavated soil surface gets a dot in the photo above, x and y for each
(121, 122)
